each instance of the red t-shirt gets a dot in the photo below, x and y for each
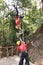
(17, 20)
(22, 47)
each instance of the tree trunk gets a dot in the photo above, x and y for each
(42, 5)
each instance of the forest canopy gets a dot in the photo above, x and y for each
(32, 20)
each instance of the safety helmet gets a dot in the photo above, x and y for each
(16, 27)
(18, 43)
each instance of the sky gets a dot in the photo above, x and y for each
(38, 2)
(9, 2)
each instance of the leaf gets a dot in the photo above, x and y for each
(1, 1)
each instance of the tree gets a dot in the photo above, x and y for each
(31, 21)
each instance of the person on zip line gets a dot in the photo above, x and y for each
(17, 18)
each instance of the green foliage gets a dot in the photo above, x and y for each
(26, 3)
(31, 21)
(1, 1)
(3, 52)
(34, 19)
(2, 5)
(30, 58)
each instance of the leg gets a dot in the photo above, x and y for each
(27, 59)
(21, 60)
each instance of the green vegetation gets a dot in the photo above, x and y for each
(32, 21)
